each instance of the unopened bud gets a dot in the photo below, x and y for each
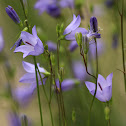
(78, 37)
(24, 120)
(61, 28)
(52, 59)
(85, 44)
(93, 24)
(25, 29)
(12, 14)
(73, 115)
(107, 112)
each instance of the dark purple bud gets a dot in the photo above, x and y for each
(12, 14)
(53, 10)
(51, 46)
(73, 45)
(93, 24)
(17, 43)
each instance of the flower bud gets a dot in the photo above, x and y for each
(61, 28)
(52, 59)
(73, 115)
(78, 37)
(24, 120)
(107, 112)
(85, 44)
(12, 14)
(93, 24)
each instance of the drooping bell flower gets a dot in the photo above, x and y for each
(24, 94)
(33, 45)
(104, 88)
(1, 40)
(12, 14)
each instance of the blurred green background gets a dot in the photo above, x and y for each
(77, 99)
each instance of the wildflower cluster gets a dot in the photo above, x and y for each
(59, 75)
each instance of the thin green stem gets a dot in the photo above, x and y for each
(122, 40)
(21, 1)
(60, 93)
(46, 97)
(95, 82)
(58, 101)
(39, 101)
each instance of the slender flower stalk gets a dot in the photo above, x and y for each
(49, 103)
(96, 82)
(26, 19)
(61, 101)
(40, 109)
(122, 40)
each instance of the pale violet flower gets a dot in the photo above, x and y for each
(104, 88)
(74, 28)
(67, 84)
(24, 94)
(1, 40)
(33, 45)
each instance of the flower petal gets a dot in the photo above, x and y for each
(107, 93)
(30, 68)
(28, 38)
(73, 45)
(34, 32)
(26, 49)
(109, 79)
(28, 78)
(90, 86)
(38, 49)
(101, 83)
(73, 25)
(68, 84)
(24, 94)
(71, 36)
